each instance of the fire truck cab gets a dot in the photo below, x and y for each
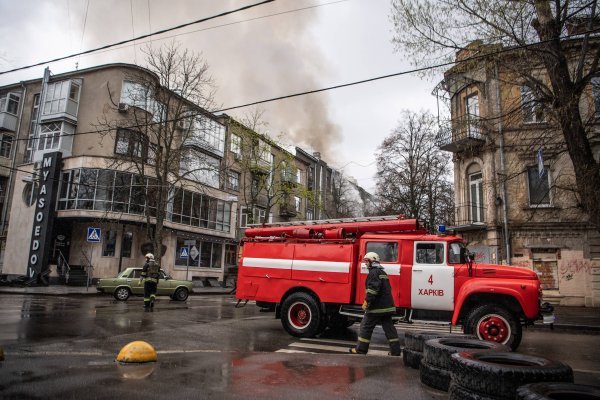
(313, 277)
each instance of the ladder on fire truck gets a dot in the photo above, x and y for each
(326, 221)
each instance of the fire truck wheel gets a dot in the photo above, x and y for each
(495, 324)
(500, 374)
(434, 377)
(550, 390)
(301, 316)
(411, 358)
(437, 352)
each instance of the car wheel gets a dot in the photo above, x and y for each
(495, 324)
(122, 293)
(499, 375)
(181, 294)
(301, 316)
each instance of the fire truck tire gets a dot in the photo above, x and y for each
(301, 315)
(411, 358)
(495, 324)
(456, 392)
(499, 374)
(438, 352)
(434, 377)
(551, 390)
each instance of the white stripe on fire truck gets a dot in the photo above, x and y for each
(390, 269)
(300, 265)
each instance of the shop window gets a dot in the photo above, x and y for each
(387, 251)
(217, 251)
(109, 243)
(539, 187)
(429, 253)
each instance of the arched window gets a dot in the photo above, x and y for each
(475, 194)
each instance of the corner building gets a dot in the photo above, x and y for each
(61, 113)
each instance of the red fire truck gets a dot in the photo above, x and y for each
(312, 275)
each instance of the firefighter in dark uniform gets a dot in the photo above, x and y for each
(379, 308)
(150, 276)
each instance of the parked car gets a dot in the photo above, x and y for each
(128, 283)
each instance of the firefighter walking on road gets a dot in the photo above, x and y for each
(150, 276)
(379, 308)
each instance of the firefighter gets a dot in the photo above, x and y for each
(150, 276)
(379, 308)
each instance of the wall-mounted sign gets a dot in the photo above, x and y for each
(93, 234)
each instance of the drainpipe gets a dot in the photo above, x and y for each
(502, 169)
(13, 161)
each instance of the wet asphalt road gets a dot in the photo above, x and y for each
(64, 348)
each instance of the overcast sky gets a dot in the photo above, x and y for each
(253, 57)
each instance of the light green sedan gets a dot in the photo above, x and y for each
(128, 283)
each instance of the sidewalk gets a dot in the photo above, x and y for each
(579, 319)
(63, 290)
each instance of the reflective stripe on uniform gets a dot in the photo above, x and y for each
(372, 291)
(383, 277)
(363, 340)
(394, 340)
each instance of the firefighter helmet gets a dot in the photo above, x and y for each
(371, 256)
(150, 256)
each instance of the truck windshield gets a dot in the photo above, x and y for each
(454, 252)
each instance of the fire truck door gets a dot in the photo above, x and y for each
(432, 285)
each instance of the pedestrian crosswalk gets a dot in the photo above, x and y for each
(339, 346)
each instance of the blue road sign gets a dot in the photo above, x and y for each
(94, 235)
(184, 252)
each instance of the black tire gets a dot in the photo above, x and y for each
(557, 391)
(437, 352)
(434, 377)
(414, 340)
(301, 315)
(456, 392)
(411, 358)
(495, 324)
(500, 374)
(122, 293)
(181, 294)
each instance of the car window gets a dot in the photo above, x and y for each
(137, 273)
(387, 251)
(123, 274)
(454, 252)
(163, 274)
(430, 253)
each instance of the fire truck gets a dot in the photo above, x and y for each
(312, 276)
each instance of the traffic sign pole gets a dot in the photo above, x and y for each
(187, 262)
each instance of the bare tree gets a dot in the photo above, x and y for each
(551, 47)
(161, 133)
(412, 173)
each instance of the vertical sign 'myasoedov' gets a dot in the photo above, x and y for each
(43, 219)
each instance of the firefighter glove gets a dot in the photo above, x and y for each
(365, 305)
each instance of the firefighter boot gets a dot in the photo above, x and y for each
(395, 347)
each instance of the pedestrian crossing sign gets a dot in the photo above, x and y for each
(93, 235)
(184, 252)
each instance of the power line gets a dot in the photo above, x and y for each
(139, 37)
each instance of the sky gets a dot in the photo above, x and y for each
(273, 50)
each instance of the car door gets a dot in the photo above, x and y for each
(134, 283)
(432, 284)
(165, 287)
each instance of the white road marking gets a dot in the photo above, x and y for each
(336, 349)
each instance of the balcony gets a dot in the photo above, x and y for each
(8, 122)
(461, 134)
(289, 177)
(259, 166)
(61, 101)
(469, 217)
(287, 210)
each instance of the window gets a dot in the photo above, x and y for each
(35, 109)
(10, 103)
(472, 103)
(243, 217)
(131, 143)
(201, 168)
(136, 95)
(49, 136)
(539, 187)
(596, 93)
(429, 253)
(476, 197)
(233, 181)
(6, 146)
(126, 244)
(387, 251)
(309, 215)
(454, 252)
(297, 203)
(236, 144)
(532, 108)
(61, 97)
(299, 175)
(230, 255)
(109, 243)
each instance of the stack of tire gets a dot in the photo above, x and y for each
(414, 342)
(499, 376)
(435, 368)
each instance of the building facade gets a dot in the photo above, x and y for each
(513, 176)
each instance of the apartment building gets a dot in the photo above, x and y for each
(513, 176)
(74, 196)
